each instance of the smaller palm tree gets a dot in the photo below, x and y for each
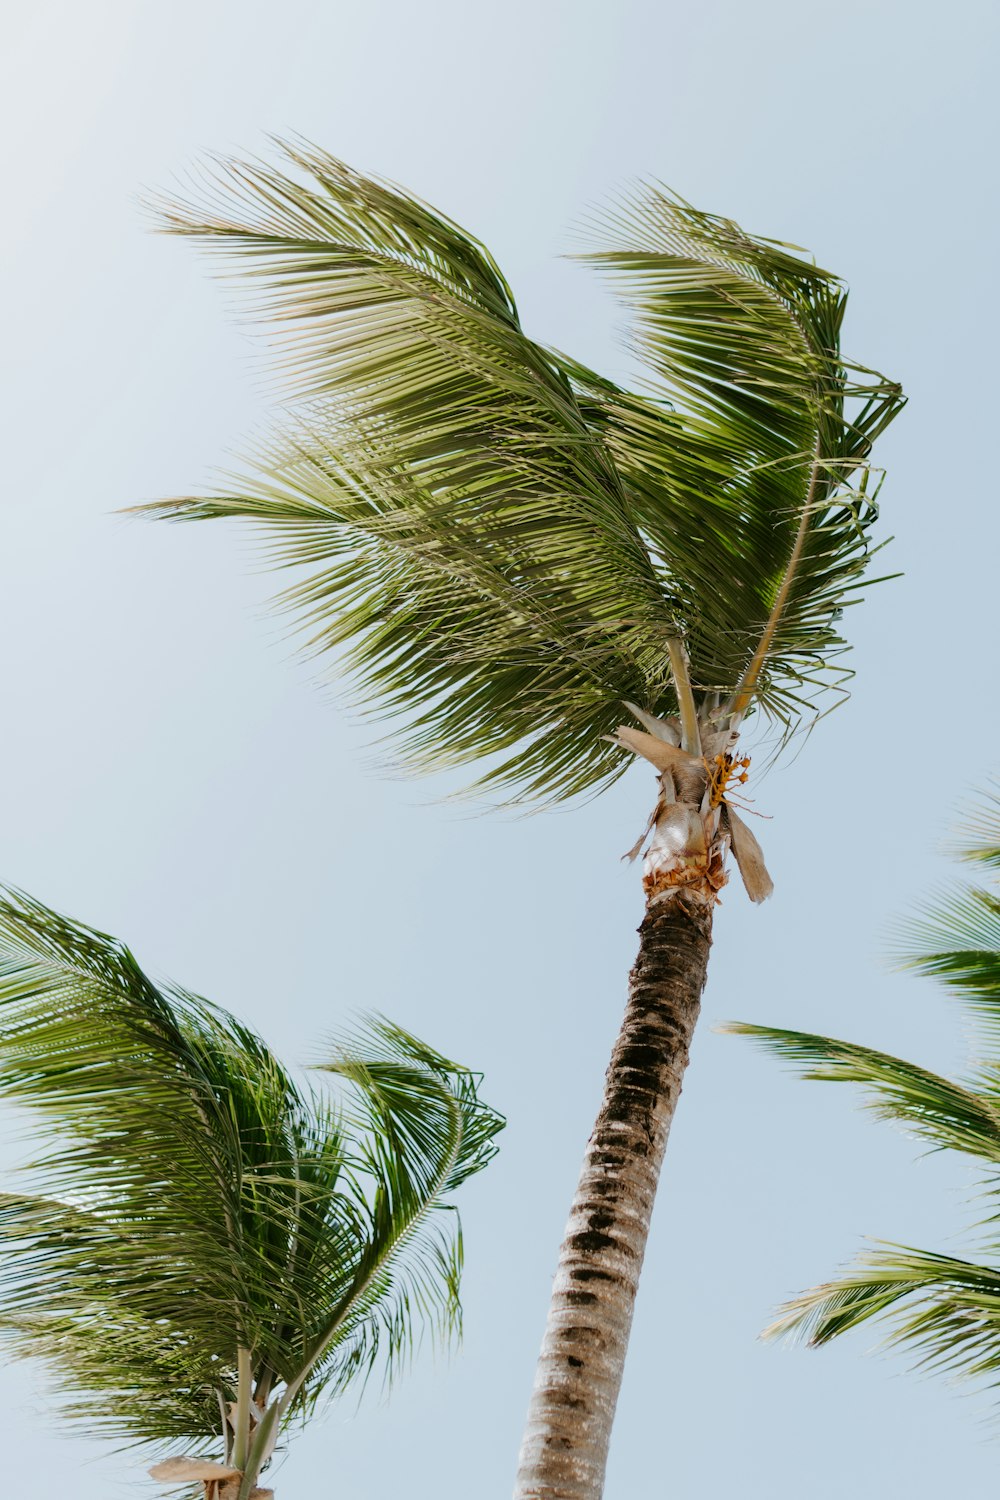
(944, 1309)
(209, 1248)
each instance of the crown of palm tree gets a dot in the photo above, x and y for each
(500, 545)
(943, 1308)
(207, 1247)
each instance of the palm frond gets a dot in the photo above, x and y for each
(955, 936)
(468, 533)
(499, 546)
(957, 939)
(945, 1113)
(946, 1311)
(424, 1131)
(755, 491)
(977, 836)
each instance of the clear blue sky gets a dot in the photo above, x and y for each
(172, 774)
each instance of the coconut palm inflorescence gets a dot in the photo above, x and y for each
(511, 555)
(209, 1248)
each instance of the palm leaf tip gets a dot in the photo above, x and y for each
(417, 1098)
(818, 1316)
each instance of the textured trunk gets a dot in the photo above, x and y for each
(565, 1448)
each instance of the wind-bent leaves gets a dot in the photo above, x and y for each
(957, 936)
(191, 1201)
(945, 1311)
(753, 496)
(948, 1114)
(498, 543)
(978, 836)
(943, 1308)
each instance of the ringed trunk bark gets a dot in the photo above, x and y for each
(579, 1373)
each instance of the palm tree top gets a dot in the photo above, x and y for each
(208, 1248)
(500, 546)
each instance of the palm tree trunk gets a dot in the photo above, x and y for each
(579, 1373)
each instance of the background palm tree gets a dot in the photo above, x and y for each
(504, 549)
(943, 1308)
(208, 1249)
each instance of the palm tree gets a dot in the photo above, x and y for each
(945, 1309)
(503, 549)
(209, 1248)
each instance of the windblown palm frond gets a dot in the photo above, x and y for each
(960, 1117)
(977, 838)
(755, 501)
(208, 1247)
(500, 545)
(957, 937)
(946, 1310)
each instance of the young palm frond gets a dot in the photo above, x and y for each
(208, 1248)
(946, 1310)
(506, 547)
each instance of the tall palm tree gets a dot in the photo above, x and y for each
(504, 549)
(208, 1249)
(943, 1308)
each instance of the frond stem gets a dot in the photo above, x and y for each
(690, 732)
(226, 1431)
(241, 1434)
(744, 693)
(260, 1450)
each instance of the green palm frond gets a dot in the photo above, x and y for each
(754, 493)
(956, 936)
(943, 1309)
(957, 939)
(466, 533)
(204, 1235)
(499, 546)
(422, 1131)
(977, 837)
(947, 1114)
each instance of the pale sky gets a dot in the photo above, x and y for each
(173, 774)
